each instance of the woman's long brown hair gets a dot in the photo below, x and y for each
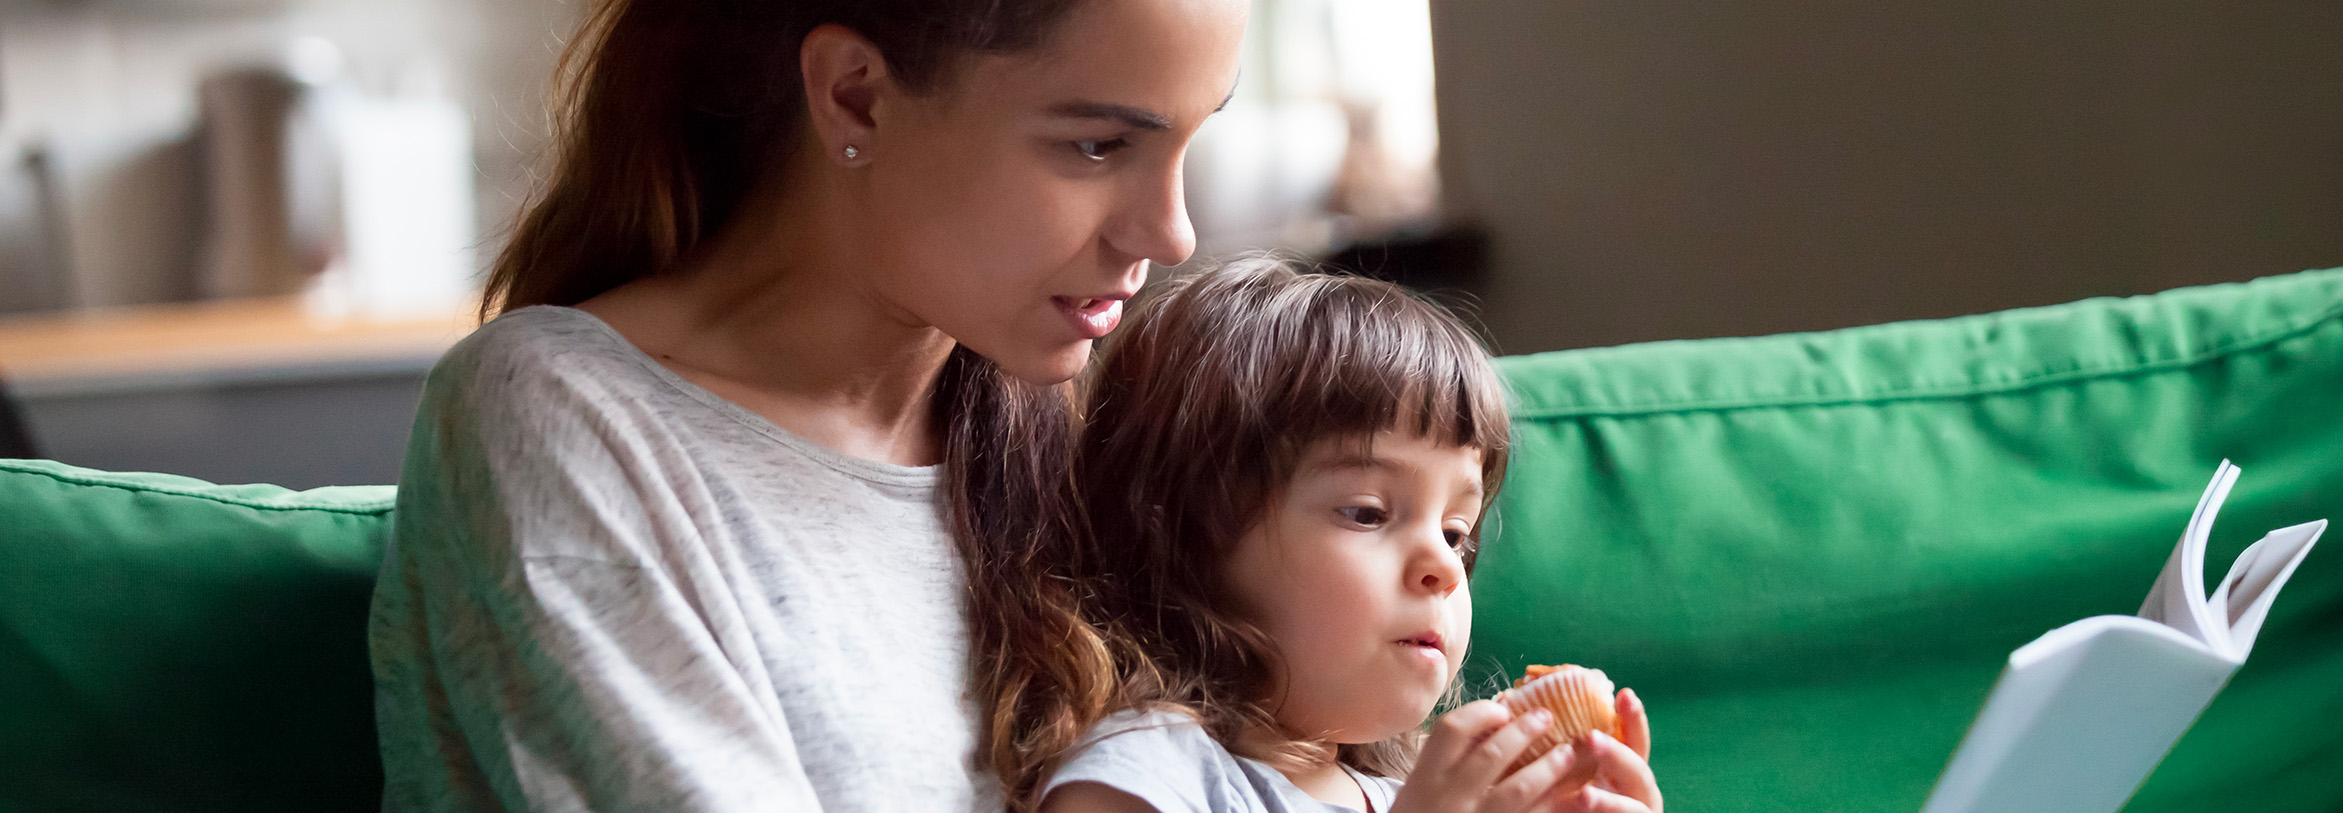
(1200, 410)
(668, 112)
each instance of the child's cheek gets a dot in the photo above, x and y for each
(1460, 607)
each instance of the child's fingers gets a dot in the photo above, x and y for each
(1592, 799)
(1480, 765)
(1556, 774)
(1622, 770)
(1462, 729)
(1634, 724)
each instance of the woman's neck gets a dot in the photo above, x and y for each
(777, 322)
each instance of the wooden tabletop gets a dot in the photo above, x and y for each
(213, 339)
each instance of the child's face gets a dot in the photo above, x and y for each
(1355, 573)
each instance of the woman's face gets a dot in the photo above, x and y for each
(1017, 207)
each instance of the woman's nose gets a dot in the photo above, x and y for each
(1154, 224)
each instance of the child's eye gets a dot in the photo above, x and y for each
(1098, 150)
(1455, 537)
(1363, 515)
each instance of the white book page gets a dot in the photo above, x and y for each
(2244, 597)
(2178, 598)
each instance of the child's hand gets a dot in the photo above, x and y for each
(1622, 780)
(1462, 766)
(1463, 762)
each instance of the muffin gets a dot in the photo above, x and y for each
(1580, 699)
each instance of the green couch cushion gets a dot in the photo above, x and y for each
(169, 644)
(1813, 553)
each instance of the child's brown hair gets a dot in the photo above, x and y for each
(1200, 410)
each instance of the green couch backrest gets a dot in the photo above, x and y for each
(1812, 554)
(169, 644)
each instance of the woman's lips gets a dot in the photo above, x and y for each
(1092, 317)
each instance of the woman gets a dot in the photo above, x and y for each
(771, 413)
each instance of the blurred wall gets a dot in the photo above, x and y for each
(108, 89)
(1674, 168)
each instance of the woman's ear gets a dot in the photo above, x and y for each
(844, 77)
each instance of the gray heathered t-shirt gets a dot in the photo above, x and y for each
(609, 589)
(1169, 761)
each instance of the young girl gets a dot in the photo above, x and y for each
(1285, 475)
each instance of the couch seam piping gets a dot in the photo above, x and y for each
(84, 481)
(2238, 348)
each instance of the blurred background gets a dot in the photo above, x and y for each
(234, 233)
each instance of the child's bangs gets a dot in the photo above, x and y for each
(1385, 360)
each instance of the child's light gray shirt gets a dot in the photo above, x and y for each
(1170, 762)
(609, 589)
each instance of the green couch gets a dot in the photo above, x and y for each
(1810, 553)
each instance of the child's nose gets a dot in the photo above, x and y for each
(1441, 573)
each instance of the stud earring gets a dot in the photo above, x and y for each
(852, 153)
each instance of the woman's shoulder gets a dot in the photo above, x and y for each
(536, 359)
(543, 339)
(538, 421)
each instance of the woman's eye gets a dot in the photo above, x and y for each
(1099, 150)
(1363, 515)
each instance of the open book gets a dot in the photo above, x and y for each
(2084, 713)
